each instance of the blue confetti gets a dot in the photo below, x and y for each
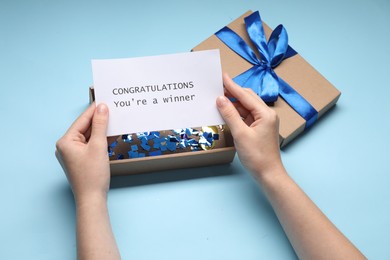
(133, 154)
(163, 148)
(207, 135)
(155, 134)
(171, 146)
(144, 140)
(185, 139)
(173, 138)
(145, 146)
(188, 131)
(182, 144)
(177, 131)
(192, 142)
(114, 144)
(127, 138)
(155, 153)
(110, 152)
(141, 135)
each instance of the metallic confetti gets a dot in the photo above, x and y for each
(154, 143)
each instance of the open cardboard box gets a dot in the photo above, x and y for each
(296, 71)
(222, 153)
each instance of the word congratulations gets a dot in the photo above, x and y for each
(128, 101)
(153, 88)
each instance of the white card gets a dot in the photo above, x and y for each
(159, 92)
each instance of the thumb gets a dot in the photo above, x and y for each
(230, 114)
(99, 123)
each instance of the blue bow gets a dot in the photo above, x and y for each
(261, 77)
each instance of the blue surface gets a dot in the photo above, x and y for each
(209, 213)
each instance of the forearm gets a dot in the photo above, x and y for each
(95, 239)
(310, 232)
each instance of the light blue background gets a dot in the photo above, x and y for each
(208, 213)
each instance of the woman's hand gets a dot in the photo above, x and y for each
(82, 153)
(254, 126)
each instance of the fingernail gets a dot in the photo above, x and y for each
(222, 101)
(102, 109)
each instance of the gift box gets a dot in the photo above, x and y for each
(259, 58)
(171, 149)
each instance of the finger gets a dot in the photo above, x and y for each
(227, 93)
(250, 91)
(87, 133)
(99, 123)
(247, 98)
(83, 122)
(241, 110)
(237, 91)
(249, 120)
(230, 114)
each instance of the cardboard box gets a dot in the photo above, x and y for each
(222, 153)
(296, 71)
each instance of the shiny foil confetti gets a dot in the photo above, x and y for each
(154, 143)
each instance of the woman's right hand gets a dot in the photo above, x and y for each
(254, 127)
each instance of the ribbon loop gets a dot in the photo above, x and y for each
(238, 45)
(261, 78)
(277, 45)
(255, 30)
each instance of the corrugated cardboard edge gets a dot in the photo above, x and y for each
(172, 161)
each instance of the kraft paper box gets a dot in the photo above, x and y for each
(222, 153)
(295, 70)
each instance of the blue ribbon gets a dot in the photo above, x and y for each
(261, 78)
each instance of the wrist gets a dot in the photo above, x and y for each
(274, 171)
(90, 198)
